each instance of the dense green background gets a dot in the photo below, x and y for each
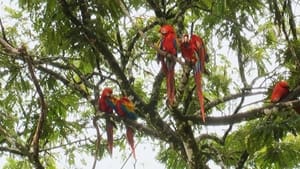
(57, 56)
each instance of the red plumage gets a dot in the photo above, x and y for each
(280, 91)
(104, 106)
(200, 94)
(168, 43)
(130, 139)
(102, 102)
(125, 108)
(193, 51)
(110, 137)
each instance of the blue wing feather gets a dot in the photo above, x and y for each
(111, 104)
(129, 114)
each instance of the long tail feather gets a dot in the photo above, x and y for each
(130, 139)
(199, 93)
(202, 57)
(170, 86)
(110, 138)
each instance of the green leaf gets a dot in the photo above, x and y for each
(13, 13)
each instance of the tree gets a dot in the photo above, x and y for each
(60, 54)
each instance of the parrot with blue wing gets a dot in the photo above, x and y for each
(125, 108)
(168, 44)
(106, 103)
(194, 52)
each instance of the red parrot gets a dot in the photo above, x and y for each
(106, 105)
(168, 43)
(125, 108)
(194, 52)
(280, 91)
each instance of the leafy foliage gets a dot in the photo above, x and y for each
(57, 56)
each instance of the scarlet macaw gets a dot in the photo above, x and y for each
(125, 108)
(168, 43)
(194, 52)
(280, 91)
(106, 105)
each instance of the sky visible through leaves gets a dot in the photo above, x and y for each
(145, 150)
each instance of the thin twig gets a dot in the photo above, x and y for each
(64, 145)
(97, 141)
(125, 162)
(235, 112)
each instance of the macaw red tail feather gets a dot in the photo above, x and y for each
(130, 139)
(170, 86)
(200, 94)
(110, 138)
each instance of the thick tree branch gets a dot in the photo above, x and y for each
(242, 116)
(157, 8)
(95, 124)
(241, 60)
(292, 23)
(85, 15)
(242, 160)
(42, 117)
(3, 32)
(124, 58)
(155, 91)
(12, 151)
(154, 117)
(186, 69)
(8, 48)
(293, 94)
(34, 156)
